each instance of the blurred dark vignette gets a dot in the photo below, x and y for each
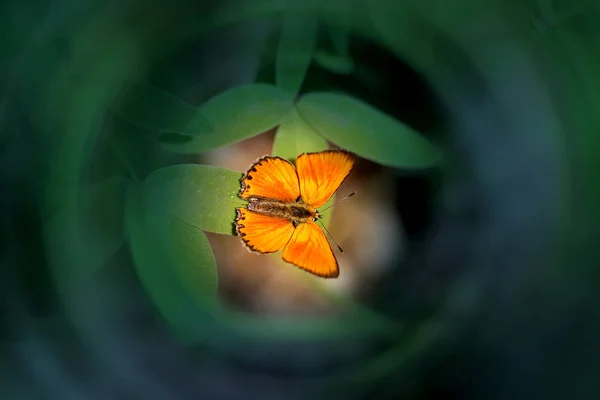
(508, 225)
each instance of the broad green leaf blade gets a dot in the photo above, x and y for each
(236, 114)
(201, 195)
(87, 231)
(296, 48)
(175, 265)
(368, 132)
(294, 137)
(155, 109)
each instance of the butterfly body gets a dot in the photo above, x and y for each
(296, 212)
(283, 199)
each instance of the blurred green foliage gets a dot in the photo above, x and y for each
(296, 48)
(155, 109)
(90, 228)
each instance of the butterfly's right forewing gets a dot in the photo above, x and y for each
(321, 174)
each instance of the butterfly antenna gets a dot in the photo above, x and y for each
(339, 201)
(338, 246)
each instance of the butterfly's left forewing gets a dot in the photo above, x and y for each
(321, 174)
(308, 249)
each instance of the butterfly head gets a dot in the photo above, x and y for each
(317, 216)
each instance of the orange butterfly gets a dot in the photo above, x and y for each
(282, 207)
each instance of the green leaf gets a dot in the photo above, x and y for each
(294, 137)
(201, 195)
(167, 217)
(176, 204)
(87, 230)
(296, 48)
(155, 109)
(363, 129)
(175, 265)
(236, 114)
